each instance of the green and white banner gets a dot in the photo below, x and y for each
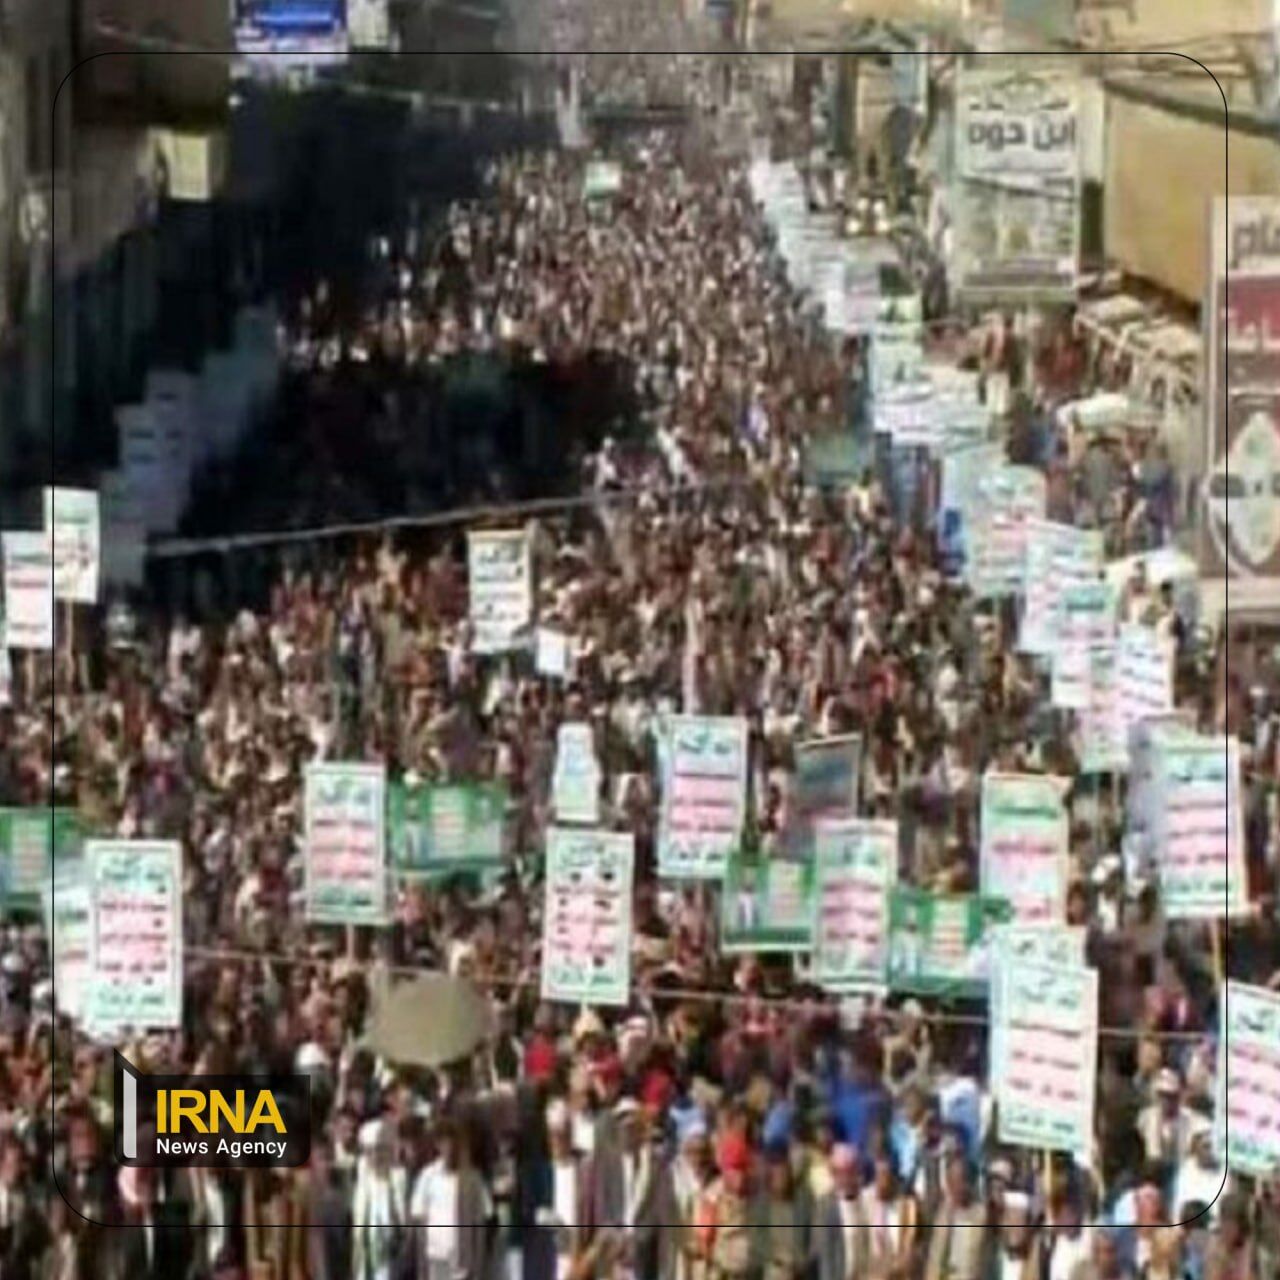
(32, 842)
(938, 943)
(767, 904)
(444, 830)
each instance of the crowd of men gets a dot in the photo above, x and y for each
(733, 1122)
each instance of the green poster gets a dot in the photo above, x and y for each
(938, 942)
(440, 831)
(28, 838)
(766, 904)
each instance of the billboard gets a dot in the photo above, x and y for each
(1239, 527)
(279, 36)
(1016, 193)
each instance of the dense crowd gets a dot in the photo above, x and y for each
(732, 1123)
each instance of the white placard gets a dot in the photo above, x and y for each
(73, 523)
(28, 590)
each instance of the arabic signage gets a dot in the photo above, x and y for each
(827, 772)
(441, 831)
(767, 904)
(346, 880)
(32, 842)
(1247, 1130)
(28, 590)
(1025, 844)
(135, 944)
(1197, 825)
(1016, 207)
(71, 520)
(1239, 536)
(1049, 1036)
(500, 577)
(938, 943)
(586, 942)
(704, 795)
(856, 866)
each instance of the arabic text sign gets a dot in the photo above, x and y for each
(704, 795)
(575, 784)
(1249, 1045)
(1240, 530)
(443, 830)
(69, 926)
(856, 866)
(72, 521)
(827, 772)
(28, 590)
(136, 934)
(1045, 1092)
(586, 943)
(1012, 945)
(1104, 739)
(1144, 674)
(1197, 826)
(346, 880)
(1013, 125)
(1005, 500)
(1058, 556)
(1086, 619)
(1025, 845)
(501, 588)
(767, 905)
(938, 942)
(31, 842)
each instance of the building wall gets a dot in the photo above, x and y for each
(1163, 170)
(1155, 24)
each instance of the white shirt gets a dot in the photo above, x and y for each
(564, 1205)
(849, 1222)
(1068, 1253)
(435, 1204)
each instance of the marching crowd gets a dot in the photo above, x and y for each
(732, 1123)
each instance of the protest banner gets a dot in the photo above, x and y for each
(766, 904)
(438, 831)
(1015, 195)
(1103, 736)
(897, 343)
(1005, 499)
(704, 795)
(1086, 619)
(1141, 795)
(938, 942)
(500, 582)
(551, 653)
(1058, 556)
(907, 413)
(855, 867)
(1045, 1091)
(1247, 1111)
(68, 926)
(586, 940)
(1144, 674)
(345, 819)
(827, 774)
(575, 782)
(602, 178)
(1012, 945)
(1025, 845)
(73, 524)
(962, 466)
(28, 590)
(1197, 825)
(135, 940)
(32, 842)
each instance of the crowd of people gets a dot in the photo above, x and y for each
(733, 1122)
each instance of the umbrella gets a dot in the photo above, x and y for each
(427, 1020)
